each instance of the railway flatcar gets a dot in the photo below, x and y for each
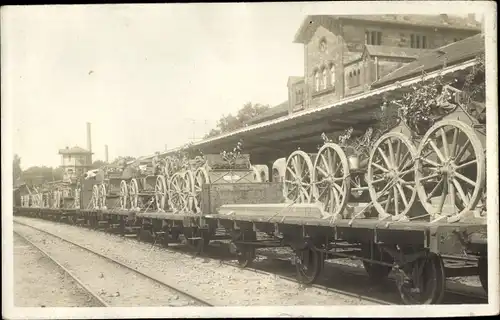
(400, 195)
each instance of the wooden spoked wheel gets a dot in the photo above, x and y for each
(298, 181)
(390, 175)
(450, 169)
(308, 264)
(256, 175)
(134, 194)
(57, 199)
(424, 282)
(160, 193)
(176, 197)
(102, 196)
(95, 197)
(189, 192)
(331, 178)
(200, 178)
(123, 195)
(77, 199)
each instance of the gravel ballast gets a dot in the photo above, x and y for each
(116, 285)
(39, 282)
(219, 284)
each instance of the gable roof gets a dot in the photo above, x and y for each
(450, 54)
(272, 113)
(395, 52)
(294, 79)
(350, 56)
(74, 150)
(311, 22)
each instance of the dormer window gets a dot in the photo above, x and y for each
(373, 38)
(418, 41)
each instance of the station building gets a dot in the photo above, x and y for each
(345, 55)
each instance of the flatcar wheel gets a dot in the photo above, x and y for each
(390, 175)
(308, 264)
(450, 169)
(482, 265)
(424, 282)
(331, 178)
(245, 256)
(298, 177)
(123, 195)
(160, 193)
(200, 178)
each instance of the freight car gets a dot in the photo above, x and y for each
(399, 195)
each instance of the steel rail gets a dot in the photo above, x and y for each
(125, 265)
(358, 273)
(74, 277)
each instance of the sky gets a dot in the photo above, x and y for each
(145, 76)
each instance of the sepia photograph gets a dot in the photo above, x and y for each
(293, 159)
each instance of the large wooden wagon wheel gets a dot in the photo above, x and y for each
(390, 175)
(160, 193)
(77, 199)
(189, 192)
(134, 194)
(176, 196)
(95, 197)
(57, 199)
(123, 195)
(450, 169)
(102, 196)
(298, 181)
(331, 178)
(200, 178)
(257, 175)
(424, 280)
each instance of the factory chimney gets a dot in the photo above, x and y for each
(89, 140)
(106, 153)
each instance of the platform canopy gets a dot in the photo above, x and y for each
(303, 129)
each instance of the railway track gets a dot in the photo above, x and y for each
(99, 302)
(286, 272)
(199, 301)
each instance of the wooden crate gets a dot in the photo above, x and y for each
(215, 195)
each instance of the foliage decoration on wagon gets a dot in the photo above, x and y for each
(233, 159)
(429, 100)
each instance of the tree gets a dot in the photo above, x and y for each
(126, 158)
(97, 164)
(228, 123)
(16, 168)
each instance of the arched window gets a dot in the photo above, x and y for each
(332, 75)
(325, 78)
(316, 80)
